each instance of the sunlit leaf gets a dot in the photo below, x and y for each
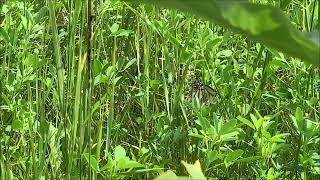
(125, 163)
(246, 122)
(194, 170)
(119, 153)
(279, 138)
(167, 175)
(114, 28)
(257, 122)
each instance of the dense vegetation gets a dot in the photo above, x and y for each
(129, 91)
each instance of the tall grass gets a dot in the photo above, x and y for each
(121, 104)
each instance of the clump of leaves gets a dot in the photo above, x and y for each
(194, 170)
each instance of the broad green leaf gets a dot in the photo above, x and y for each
(34, 61)
(122, 32)
(249, 159)
(154, 84)
(266, 134)
(167, 175)
(17, 124)
(279, 147)
(298, 120)
(92, 161)
(125, 163)
(279, 138)
(246, 122)
(224, 53)
(272, 174)
(229, 136)
(196, 135)
(101, 78)
(109, 165)
(129, 64)
(97, 66)
(262, 23)
(232, 156)
(40, 15)
(4, 35)
(228, 127)
(194, 170)
(257, 122)
(115, 31)
(204, 123)
(114, 28)
(212, 156)
(119, 153)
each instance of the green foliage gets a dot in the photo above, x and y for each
(194, 171)
(131, 112)
(265, 24)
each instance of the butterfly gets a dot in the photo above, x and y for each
(204, 93)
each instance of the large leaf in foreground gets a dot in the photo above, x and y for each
(263, 23)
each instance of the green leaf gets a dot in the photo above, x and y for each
(196, 135)
(101, 78)
(248, 159)
(232, 156)
(129, 64)
(167, 175)
(194, 170)
(279, 138)
(125, 163)
(17, 124)
(114, 28)
(298, 120)
(154, 84)
(4, 35)
(119, 153)
(122, 32)
(257, 122)
(224, 53)
(228, 127)
(246, 122)
(266, 134)
(92, 161)
(204, 123)
(97, 66)
(229, 136)
(34, 61)
(115, 31)
(212, 156)
(40, 15)
(263, 23)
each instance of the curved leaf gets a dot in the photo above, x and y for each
(262, 23)
(232, 156)
(194, 170)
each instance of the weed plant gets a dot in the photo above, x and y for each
(129, 109)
